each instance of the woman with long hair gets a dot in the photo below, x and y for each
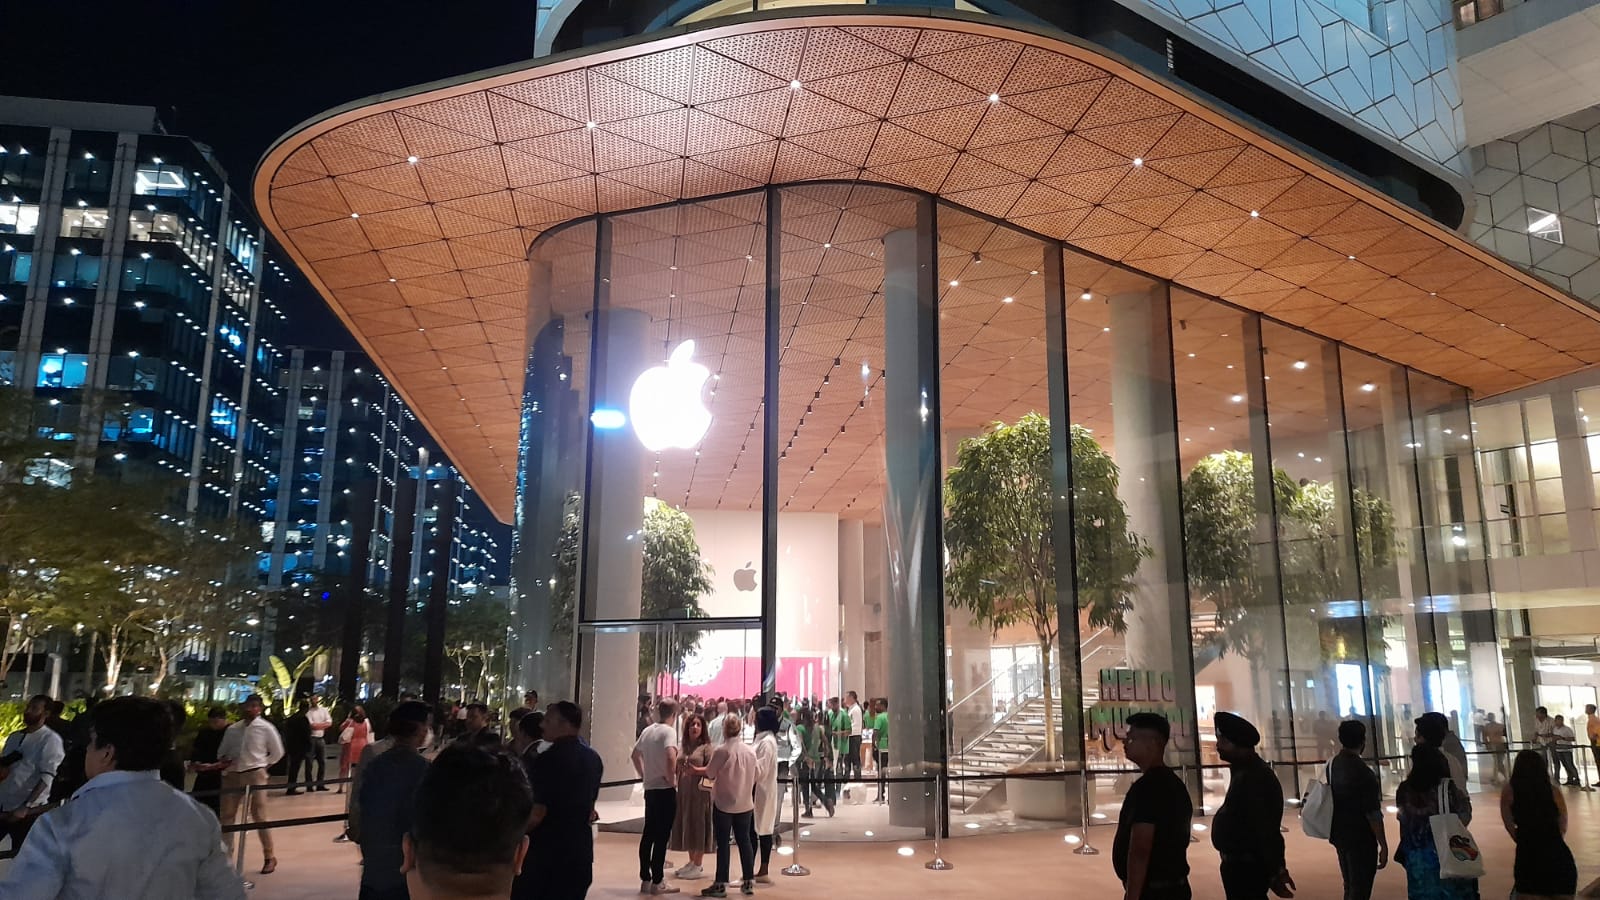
(766, 822)
(1535, 815)
(691, 826)
(1419, 800)
(353, 737)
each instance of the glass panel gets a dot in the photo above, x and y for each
(1321, 523)
(1541, 420)
(1229, 501)
(1382, 469)
(1546, 460)
(1011, 687)
(555, 435)
(853, 527)
(1465, 672)
(1133, 608)
(1549, 497)
(1499, 425)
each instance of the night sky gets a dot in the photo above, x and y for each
(238, 74)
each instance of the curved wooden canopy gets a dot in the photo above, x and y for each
(413, 214)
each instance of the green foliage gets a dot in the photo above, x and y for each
(1230, 563)
(277, 686)
(675, 578)
(1000, 537)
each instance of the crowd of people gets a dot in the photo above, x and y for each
(445, 806)
(1150, 852)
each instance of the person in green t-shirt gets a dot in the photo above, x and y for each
(813, 790)
(880, 744)
(839, 724)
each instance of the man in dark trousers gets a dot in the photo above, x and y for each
(296, 747)
(1357, 833)
(1245, 828)
(566, 781)
(1151, 850)
(388, 784)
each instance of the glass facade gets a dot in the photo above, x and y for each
(840, 437)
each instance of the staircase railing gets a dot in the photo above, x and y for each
(961, 744)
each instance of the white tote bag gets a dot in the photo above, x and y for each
(1316, 811)
(1459, 856)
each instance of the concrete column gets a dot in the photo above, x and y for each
(1146, 451)
(202, 415)
(914, 612)
(1577, 491)
(852, 598)
(91, 421)
(614, 551)
(36, 298)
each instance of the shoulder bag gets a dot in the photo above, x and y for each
(1459, 856)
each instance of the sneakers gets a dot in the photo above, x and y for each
(664, 888)
(716, 890)
(747, 888)
(690, 871)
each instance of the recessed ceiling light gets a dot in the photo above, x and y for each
(355, 215)
(954, 283)
(591, 124)
(1255, 213)
(1085, 296)
(1007, 299)
(1300, 364)
(795, 85)
(1237, 398)
(994, 98)
(1369, 387)
(412, 159)
(1138, 161)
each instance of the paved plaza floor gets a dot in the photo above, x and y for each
(1018, 866)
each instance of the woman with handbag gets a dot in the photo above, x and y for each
(1428, 793)
(691, 826)
(353, 736)
(1535, 815)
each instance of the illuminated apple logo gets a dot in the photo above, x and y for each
(665, 402)
(744, 579)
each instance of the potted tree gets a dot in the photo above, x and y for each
(1001, 568)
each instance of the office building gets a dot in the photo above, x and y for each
(766, 280)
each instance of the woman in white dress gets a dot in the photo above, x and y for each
(766, 747)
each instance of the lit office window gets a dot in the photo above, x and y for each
(62, 370)
(19, 218)
(160, 181)
(84, 223)
(1544, 225)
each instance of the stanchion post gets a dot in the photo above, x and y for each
(244, 812)
(1084, 848)
(1584, 784)
(939, 863)
(794, 867)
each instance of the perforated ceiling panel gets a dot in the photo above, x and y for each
(413, 215)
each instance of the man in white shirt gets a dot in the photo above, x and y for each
(125, 834)
(655, 758)
(1544, 739)
(249, 747)
(850, 768)
(321, 720)
(31, 757)
(714, 728)
(1565, 737)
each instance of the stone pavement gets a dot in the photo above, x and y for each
(1023, 866)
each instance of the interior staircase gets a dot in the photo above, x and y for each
(1016, 739)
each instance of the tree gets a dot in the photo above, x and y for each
(675, 578)
(199, 583)
(1000, 536)
(474, 635)
(1231, 568)
(278, 685)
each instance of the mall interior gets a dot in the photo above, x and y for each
(1025, 367)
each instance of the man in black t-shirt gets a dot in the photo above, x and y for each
(566, 782)
(1357, 833)
(1151, 850)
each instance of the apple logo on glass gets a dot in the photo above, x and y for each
(665, 402)
(745, 579)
